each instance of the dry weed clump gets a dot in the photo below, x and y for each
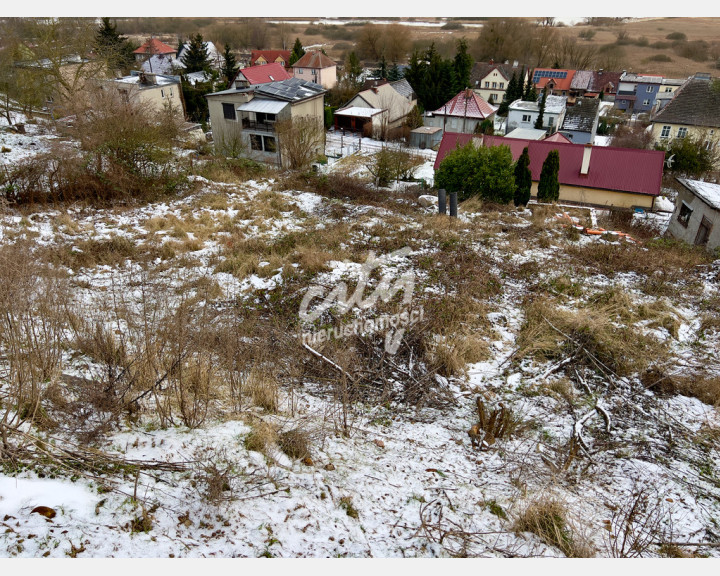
(261, 438)
(262, 388)
(705, 388)
(295, 443)
(547, 518)
(592, 333)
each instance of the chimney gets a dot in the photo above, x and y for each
(585, 167)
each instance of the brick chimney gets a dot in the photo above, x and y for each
(585, 167)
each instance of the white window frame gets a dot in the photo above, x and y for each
(682, 132)
(665, 132)
(527, 118)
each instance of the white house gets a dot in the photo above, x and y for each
(523, 114)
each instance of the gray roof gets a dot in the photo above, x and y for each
(581, 117)
(553, 104)
(291, 90)
(403, 88)
(697, 103)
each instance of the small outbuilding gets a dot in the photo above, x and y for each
(696, 218)
(425, 137)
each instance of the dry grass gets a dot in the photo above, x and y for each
(552, 333)
(261, 438)
(547, 519)
(263, 389)
(701, 386)
(295, 443)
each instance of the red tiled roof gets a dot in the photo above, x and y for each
(619, 169)
(467, 104)
(154, 46)
(270, 56)
(560, 83)
(314, 59)
(558, 137)
(266, 73)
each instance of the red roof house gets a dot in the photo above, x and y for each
(261, 57)
(462, 114)
(558, 82)
(589, 175)
(260, 75)
(154, 47)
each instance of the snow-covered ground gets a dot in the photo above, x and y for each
(394, 481)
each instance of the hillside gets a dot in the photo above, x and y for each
(176, 411)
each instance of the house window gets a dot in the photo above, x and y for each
(299, 71)
(551, 121)
(229, 111)
(262, 143)
(648, 89)
(526, 118)
(668, 88)
(646, 102)
(162, 93)
(665, 132)
(494, 84)
(171, 93)
(502, 85)
(682, 132)
(492, 98)
(487, 84)
(684, 215)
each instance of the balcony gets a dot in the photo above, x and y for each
(256, 126)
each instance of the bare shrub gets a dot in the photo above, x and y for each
(32, 335)
(214, 474)
(262, 436)
(493, 424)
(637, 524)
(301, 141)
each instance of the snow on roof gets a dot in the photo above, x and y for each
(553, 105)
(467, 104)
(706, 191)
(161, 64)
(358, 111)
(527, 133)
(152, 80)
(581, 117)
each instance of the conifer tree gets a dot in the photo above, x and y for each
(382, 71)
(196, 58)
(353, 70)
(462, 66)
(541, 113)
(228, 66)
(549, 186)
(112, 46)
(297, 52)
(394, 73)
(509, 96)
(529, 94)
(523, 179)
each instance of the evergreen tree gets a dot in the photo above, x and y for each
(297, 52)
(112, 46)
(382, 71)
(228, 66)
(508, 97)
(523, 179)
(394, 73)
(462, 66)
(541, 113)
(353, 70)
(196, 58)
(196, 105)
(530, 94)
(549, 186)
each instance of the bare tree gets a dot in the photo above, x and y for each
(370, 41)
(301, 140)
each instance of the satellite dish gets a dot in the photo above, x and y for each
(669, 161)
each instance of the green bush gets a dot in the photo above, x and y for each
(676, 36)
(478, 171)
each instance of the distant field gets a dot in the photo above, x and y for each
(337, 37)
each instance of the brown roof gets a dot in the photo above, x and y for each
(270, 56)
(481, 69)
(154, 46)
(315, 59)
(697, 103)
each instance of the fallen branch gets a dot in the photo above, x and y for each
(327, 360)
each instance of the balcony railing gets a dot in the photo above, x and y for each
(258, 126)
